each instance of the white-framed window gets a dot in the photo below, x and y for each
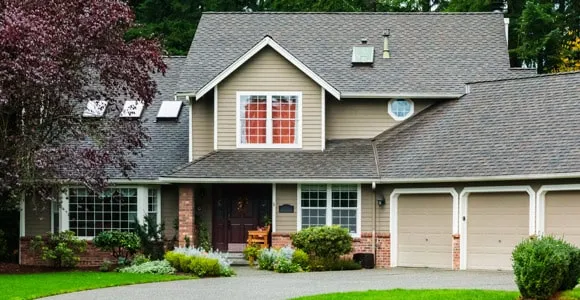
(330, 204)
(401, 109)
(269, 119)
(153, 204)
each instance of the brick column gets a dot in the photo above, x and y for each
(186, 214)
(456, 252)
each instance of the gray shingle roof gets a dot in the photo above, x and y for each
(168, 146)
(431, 52)
(342, 159)
(508, 127)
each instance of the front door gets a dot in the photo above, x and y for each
(238, 208)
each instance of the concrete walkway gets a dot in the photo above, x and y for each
(255, 284)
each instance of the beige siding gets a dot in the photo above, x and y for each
(496, 222)
(361, 118)
(286, 194)
(562, 214)
(269, 71)
(367, 203)
(202, 126)
(425, 224)
(383, 213)
(169, 209)
(37, 217)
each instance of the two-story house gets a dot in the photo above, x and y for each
(408, 129)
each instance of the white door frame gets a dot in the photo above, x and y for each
(394, 215)
(541, 203)
(463, 197)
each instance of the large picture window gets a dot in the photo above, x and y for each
(269, 120)
(335, 204)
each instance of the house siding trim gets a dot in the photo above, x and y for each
(274, 208)
(463, 203)
(267, 41)
(215, 118)
(541, 202)
(393, 213)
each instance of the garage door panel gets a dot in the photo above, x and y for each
(496, 223)
(562, 215)
(424, 230)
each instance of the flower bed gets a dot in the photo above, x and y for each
(199, 262)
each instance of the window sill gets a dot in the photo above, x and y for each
(268, 146)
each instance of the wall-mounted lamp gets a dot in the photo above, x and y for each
(380, 200)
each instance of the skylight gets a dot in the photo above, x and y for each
(132, 109)
(95, 109)
(169, 109)
(363, 54)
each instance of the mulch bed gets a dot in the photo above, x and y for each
(12, 268)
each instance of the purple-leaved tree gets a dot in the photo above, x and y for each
(55, 55)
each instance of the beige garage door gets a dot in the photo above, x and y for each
(563, 215)
(424, 233)
(496, 223)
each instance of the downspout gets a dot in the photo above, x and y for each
(374, 186)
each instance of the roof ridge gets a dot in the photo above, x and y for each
(347, 13)
(526, 77)
(179, 168)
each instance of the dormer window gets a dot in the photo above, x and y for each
(401, 109)
(95, 109)
(269, 120)
(132, 109)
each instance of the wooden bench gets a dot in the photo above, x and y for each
(259, 237)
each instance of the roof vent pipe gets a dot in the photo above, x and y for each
(386, 50)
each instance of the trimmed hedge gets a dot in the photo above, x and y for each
(544, 266)
(199, 263)
(325, 242)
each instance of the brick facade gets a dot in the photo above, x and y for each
(93, 257)
(186, 214)
(362, 244)
(456, 252)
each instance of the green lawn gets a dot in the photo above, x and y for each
(32, 286)
(431, 295)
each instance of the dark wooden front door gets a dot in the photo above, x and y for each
(237, 209)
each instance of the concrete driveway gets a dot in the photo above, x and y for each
(255, 284)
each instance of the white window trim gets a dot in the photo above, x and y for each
(269, 144)
(142, 205)
(394, 116)
(394, 215)
(329, 208)
(541, 203)
(463, 203)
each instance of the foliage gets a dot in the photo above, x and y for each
(34, 286)
(60, 249)
(279, 260)
(251, 253)
(301, 258)
(325, 264)
(140, 259)
(3, 245)
(400, 294)
(199, 262)
(122, 245)
(542, 267)
(106, 266)
(187, 241)
(54, 56)
(327, 242)
(152, 237)
(150, 267)
(202, 235)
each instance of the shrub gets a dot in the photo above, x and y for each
(199, 262)
(122, 244)
(279, 260)
(540, 266)
(106, 266)
(573, 272)
(300, 258)
(3, 245)
(151, 267)
(285, 265)
(322, 264)
(327, 242)
(266, 259)
(151, 237)
(60, 249)
(140, 259)
(251, 253)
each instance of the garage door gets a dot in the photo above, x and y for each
(425, 223)
(496, 223)
(563, 215)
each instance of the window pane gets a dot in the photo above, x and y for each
(152, 204)
(313, 217)
(345, 218)
(284, 119)
(313, 205)
(401, 107)
(253, 114)
(91, 213)
(344, 204)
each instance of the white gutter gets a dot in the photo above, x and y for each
(481, 178)
(403, 95)
(136, 181)
(262, 180)
(185, 94)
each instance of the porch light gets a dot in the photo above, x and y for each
(380, 200)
